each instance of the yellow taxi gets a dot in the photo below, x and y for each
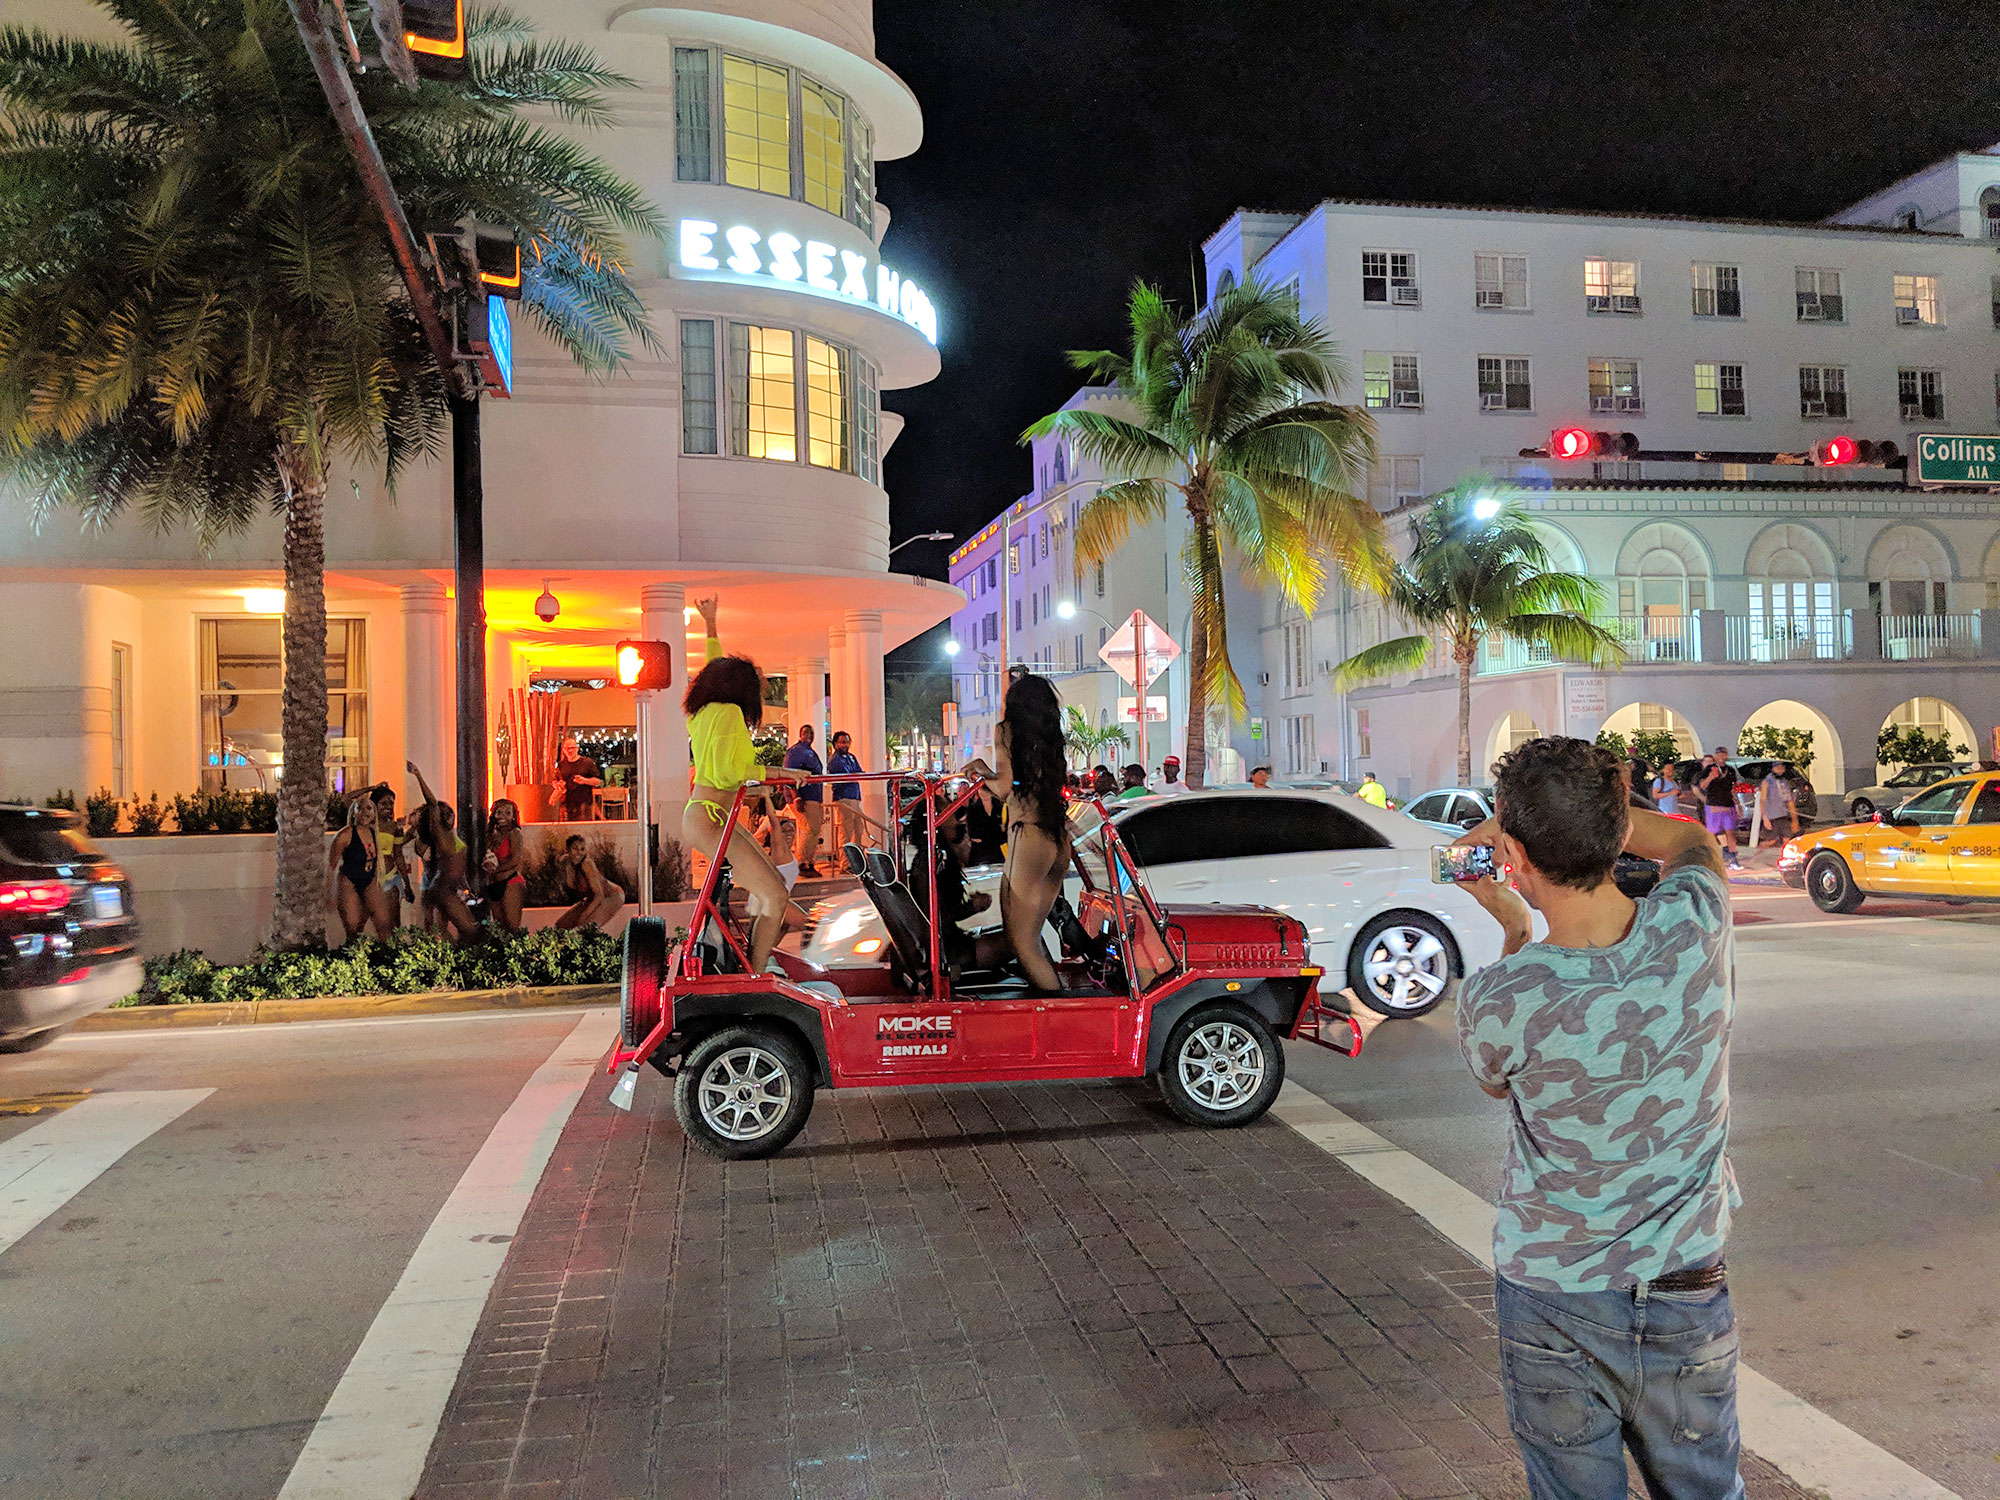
(1944, 841)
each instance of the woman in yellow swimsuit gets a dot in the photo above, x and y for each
(723, 704)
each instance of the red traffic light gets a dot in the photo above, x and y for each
(1836, 450)
(1569, 442)
(645, 665)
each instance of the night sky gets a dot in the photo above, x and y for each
(1073, 145)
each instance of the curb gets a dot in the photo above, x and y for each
(345, 1007)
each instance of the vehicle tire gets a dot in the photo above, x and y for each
(1401, 965)
(1831, 885)
(645, 965)
(1223, 1067)
(34, 1041)
(743, 1092)
(1861, 807)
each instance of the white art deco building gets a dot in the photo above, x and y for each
(746, 463)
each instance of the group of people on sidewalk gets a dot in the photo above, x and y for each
(1706, 793)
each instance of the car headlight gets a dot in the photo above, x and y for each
(1789, 855)
(844, 926)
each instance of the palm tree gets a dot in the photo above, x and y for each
(1236, 418)
(199, 312)
(913, 708)
(1476, 567)
(1088, 740)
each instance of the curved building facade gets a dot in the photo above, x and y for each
(744, 461)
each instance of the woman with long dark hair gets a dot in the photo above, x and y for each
(723, 704)
(1028, 746)
(505, 887)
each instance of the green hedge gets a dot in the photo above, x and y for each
(417, 961)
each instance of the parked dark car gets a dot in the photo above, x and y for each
(68, 941)
(1750, 772)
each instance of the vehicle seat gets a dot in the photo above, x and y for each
(908, 927)
(852, 856)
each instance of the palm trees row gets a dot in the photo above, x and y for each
(199, 312)
(1236, 425)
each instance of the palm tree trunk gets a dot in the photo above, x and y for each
(1463, 652)
(298, 908)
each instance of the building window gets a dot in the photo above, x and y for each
(756, 126)
(698, 433)
(1390, 380)
(1822, 391)
(823, 124)
(1611, 286)
(1397, 479)
(1017, 615)
(1504, 384)
(828, 394)
(1614, 386)
(1289, 295)
(763, 388)
(867, 421)
(1301, 751)
(242, 704)
(1100, 580)
(1390, 277)
(1297, 669)
(1500, 282)
(1917, 301)
(1717, 292)
(694, 116)
(1362, 749)
(1819, 296)
(121, 719)
(1996, 298)
(1921, 395)
(861, 174)
(1718, 391)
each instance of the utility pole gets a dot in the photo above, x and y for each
(468, 497)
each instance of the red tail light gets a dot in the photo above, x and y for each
(33, 897)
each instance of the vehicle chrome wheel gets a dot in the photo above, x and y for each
(744, 1093)
(1406, 968)
(1221, 1065)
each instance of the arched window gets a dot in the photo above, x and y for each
(1908, 570)
(1225, 284)
(1663, 578)
(1989, 213)
(1792, 614)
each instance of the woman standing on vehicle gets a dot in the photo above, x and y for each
(1028, 744)
(506, 886)
(351, 863)
(723, 704)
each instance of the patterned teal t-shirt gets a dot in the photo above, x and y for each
(1617, 1065)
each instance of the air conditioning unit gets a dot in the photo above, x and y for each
(1632, 403)
(1410, 399)
(1489, 297)
(1912, 413)
(1406, 296)
(1604, 403)
(1597, 304)
(1625, 304)
(1263, 679)
(1909, 315)
(1812, 408)
(1492, 401)
(1810, 310)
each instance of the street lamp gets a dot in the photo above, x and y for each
(1485, 508)
(928, 536)
(951, 647)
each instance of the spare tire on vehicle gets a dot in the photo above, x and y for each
(640, 977)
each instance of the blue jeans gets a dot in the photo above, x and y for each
(1590, 1373)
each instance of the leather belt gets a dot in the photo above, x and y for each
(1692, 1279)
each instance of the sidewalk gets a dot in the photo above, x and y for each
(1032, 1292)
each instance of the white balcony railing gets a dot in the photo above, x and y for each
(1656, 638)
(1929, 637)
(1760, 638)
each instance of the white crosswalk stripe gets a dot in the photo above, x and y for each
(44, 1167)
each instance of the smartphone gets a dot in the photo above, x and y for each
(1455, 864)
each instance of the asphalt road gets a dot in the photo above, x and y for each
(1866, 1115)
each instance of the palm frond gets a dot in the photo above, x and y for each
(1405, 653)
(1113, 514)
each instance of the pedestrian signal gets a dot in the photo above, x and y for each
(645, 665)
(434, 31)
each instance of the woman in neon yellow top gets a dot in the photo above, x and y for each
(723, 703)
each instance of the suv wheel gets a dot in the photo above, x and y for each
(1223, 1067)
(743, 1092)
(1831, 885)
(1401, 965)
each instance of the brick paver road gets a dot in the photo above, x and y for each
(1036, 1291)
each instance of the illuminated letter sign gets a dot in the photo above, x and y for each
(811, 266)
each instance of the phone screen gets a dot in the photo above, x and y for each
(1456, 864)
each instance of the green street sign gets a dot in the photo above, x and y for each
(1953, 458)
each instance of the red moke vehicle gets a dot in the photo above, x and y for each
(1195, 996)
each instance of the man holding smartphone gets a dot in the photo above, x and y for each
(1609, 1040)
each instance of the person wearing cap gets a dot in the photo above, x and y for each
(1372, 791)
(1260, 777)
(1134, 779)
(1171, 784)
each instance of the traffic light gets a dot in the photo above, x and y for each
(1842, 449)
(645, 665)
(498, 254)
(434, 31)
(1577, 443)
(1569, 442)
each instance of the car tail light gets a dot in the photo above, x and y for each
(35, 898)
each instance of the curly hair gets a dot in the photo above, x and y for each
(728, 679)
(1033, 718)
(1564, 802)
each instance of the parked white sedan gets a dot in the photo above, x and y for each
(1357, 876)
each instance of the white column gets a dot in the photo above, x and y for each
(871, 741)
(805, 698)
(428, 687)
(662, 617)
(841, 673)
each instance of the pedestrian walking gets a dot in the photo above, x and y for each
(1666, 791)
(577, 779)
(1779, 799)
(1718, 789)
(1609, 1041)
(809, 810)
(849, 825)
(1171, 784)
(1372, 791)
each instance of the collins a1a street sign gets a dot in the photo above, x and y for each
(1954, 458)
